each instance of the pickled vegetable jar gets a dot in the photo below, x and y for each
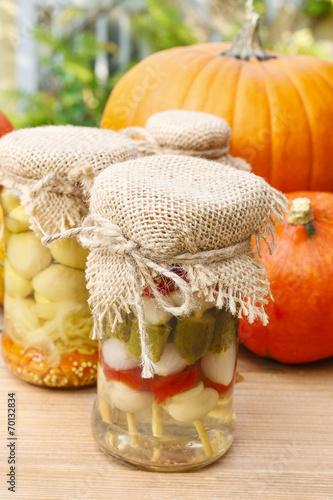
(47, 320)
(183, 417)
(47, 173)
(169, 272)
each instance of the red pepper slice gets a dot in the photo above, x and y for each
(132, 378)
(166, 387)
(166, 285)
(218, 387)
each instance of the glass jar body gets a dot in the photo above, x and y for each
(183, 417)
(47, 321)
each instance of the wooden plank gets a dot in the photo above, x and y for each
(283, 447)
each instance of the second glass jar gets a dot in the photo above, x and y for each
(47, 320)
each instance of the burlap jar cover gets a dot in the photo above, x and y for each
(191, 133)
(54, 166)
(154, 212)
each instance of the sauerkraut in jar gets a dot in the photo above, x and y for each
(183, 417)
(47, 320)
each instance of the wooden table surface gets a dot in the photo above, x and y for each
(283, 447)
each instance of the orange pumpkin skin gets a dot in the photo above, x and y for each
(5, 125)
(300, 272)
(279, 110)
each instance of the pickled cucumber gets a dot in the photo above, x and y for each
(70, 253)
(8, 200)
(157, 335)
(26, 254)
(193, 336)
(122, 331)
(17, 221)
(225, 333)
(15, 284)
(58, 282)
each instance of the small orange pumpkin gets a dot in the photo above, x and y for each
(300, 272)
(279, 107)
(5, 125)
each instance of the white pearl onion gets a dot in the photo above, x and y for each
(116, 355)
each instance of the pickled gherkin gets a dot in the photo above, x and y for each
(225, 333)
(122, 331)
(157, 335)
(193, 336)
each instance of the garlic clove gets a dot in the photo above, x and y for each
(184, 396)
(15, 284)
(154, 315)
(130, 400)
(17, 221)
(9, 200)
(220, 367)
(27, 255)
(170, 362)
(224, 408)
(69, 253)
(116, 355)
(194, 408)
(58, 283)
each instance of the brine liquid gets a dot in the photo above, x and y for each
(46, 340)
(179, 446)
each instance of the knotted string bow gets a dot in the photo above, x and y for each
(98, 232)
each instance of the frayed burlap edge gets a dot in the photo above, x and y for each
(206, 271)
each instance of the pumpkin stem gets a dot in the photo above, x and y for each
(300, 212)
(247, 43)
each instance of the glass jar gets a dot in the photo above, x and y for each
(47, 320)
(183, 417)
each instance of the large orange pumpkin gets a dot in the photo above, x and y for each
(300, 271)
(280, 107)
(5, 127)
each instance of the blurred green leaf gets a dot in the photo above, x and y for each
(317, 8)
(162, 26)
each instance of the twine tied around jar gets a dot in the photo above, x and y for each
(150, 214)
(191, 133)
(98, 233)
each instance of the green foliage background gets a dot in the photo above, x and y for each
(77, 96)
